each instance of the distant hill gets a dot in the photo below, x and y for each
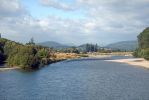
(123, 45)
(82, 47)
(52, 44)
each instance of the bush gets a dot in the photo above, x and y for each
(43, 53)
(146, 53)
(137, 53)
(24, 56)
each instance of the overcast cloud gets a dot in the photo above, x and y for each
(104, 21)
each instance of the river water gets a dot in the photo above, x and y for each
(80, 79)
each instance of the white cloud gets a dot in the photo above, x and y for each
(11, 8)
(57, 4)
(105, 21)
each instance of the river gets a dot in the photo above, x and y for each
(80, 79)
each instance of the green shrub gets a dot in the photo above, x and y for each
(146, 53)
(24, 56)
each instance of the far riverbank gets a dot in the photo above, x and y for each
(133, 61)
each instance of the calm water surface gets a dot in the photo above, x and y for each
(82, 79)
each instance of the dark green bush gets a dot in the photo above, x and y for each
(24, 56)
(146, 53)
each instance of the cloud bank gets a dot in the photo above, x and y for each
(104, 21)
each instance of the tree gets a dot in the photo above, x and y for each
(91, 47)
(143, 41)
(31, 42)
(146, 53)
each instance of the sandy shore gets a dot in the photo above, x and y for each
(99, 56)
(7, 68)
(133, 61)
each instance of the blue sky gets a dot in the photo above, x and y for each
(39, 11)
(73, 21)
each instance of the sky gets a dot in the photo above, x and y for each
(73, 21)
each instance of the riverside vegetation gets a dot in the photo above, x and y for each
(30, 55)
(143, 41)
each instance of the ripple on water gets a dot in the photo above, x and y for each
(91, 79)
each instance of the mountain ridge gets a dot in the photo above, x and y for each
(53, 44)
(123, 45)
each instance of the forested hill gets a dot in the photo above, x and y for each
(52, 44)
(27, 56)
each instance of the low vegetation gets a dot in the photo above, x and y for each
(63, 56)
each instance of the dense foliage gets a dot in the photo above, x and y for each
(91, 48)
(80, 49)
(143, 40)
(27, 56)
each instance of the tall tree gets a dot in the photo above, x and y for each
(143, 39)
(31, 42)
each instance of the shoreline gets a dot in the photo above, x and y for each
(5, 68)
(99, 56)
(8, 68)
(138, 62)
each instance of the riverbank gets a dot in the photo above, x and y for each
(65, 56)
(111, 54)
(133, 61)
(57, 57)
(99, 56)
(8, 68)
